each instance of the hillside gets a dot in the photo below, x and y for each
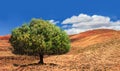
(93, 37)
(4, 40)
(94, 50)
(6, 37)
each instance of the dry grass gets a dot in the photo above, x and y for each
(104, 56)
(93, 37)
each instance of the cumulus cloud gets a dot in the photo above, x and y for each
(74, 31)
(53, 21)
(84, 22)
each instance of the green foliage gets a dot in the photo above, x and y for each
(39, 37)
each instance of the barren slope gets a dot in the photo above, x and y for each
(4, 40)
(96, 50)
(92, 37)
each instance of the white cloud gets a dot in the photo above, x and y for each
(53, 21)
(77, 19)
(74, 31)
(85, 22)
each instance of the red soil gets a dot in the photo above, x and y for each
(104, 59)
(4, 41)
(6, 37)
(93, 36)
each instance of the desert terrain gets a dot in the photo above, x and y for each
(94, 50)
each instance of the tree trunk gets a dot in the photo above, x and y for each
(41, 58)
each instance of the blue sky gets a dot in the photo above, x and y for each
(14, 13)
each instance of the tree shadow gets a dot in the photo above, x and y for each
(34, 64)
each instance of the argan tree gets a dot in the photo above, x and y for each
(39, 37)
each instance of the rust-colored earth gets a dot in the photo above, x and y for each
(92, 37)
(6, 37)
(94, 50)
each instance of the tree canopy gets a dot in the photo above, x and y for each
(39, 37)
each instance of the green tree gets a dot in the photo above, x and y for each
(39, 37)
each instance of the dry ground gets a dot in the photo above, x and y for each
(102, 56)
